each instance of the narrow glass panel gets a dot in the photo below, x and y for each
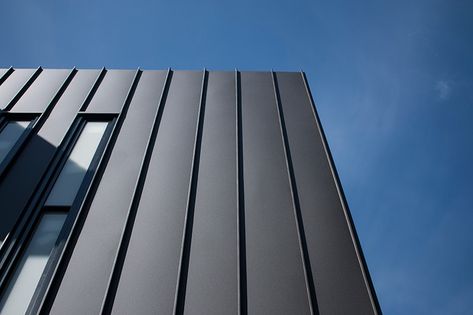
(10, 135)
(21, 287)
(65, 189)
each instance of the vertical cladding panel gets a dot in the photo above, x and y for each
(21, 180)
(84, 284)
(150, 272)
(213, 258)
(112, 92)
(41, 92)
(339, 283)
(275, 275)
(13, 84)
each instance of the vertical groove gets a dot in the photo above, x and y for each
(23, 89)
(114, 280)
(93, 90)
(76, 228)
(351, 227)
(296, 204)
(242, 290)
(179, 301)
(6, 75)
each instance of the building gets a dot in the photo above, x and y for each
(171, 192)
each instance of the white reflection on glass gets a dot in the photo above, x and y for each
(10, 135)
(21, 287)
(65, 189)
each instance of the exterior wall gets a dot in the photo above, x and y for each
(210, 193)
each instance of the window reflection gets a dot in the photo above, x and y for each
(10, 135)
(71, 176)
(21, 287)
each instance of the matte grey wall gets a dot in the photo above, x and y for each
(218, 195)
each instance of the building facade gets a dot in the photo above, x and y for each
(171, 192)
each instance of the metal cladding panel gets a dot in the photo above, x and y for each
(148, 286)
(85, 281)
(112, 92)
(215, 194)
(23, 177)
(41, 92)
(339, 282)
(13, 84)
(275, 275)
(213, 256)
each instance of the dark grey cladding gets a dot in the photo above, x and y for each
(213, 193)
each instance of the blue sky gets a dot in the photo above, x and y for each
(393, 81)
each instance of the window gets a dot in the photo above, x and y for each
(30, 268)
(10, 134)
(52, 214)
(71, 176)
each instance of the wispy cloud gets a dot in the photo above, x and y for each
(444, 89)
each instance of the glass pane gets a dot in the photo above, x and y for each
(9, 135)
(21, 287)
(65, 189)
